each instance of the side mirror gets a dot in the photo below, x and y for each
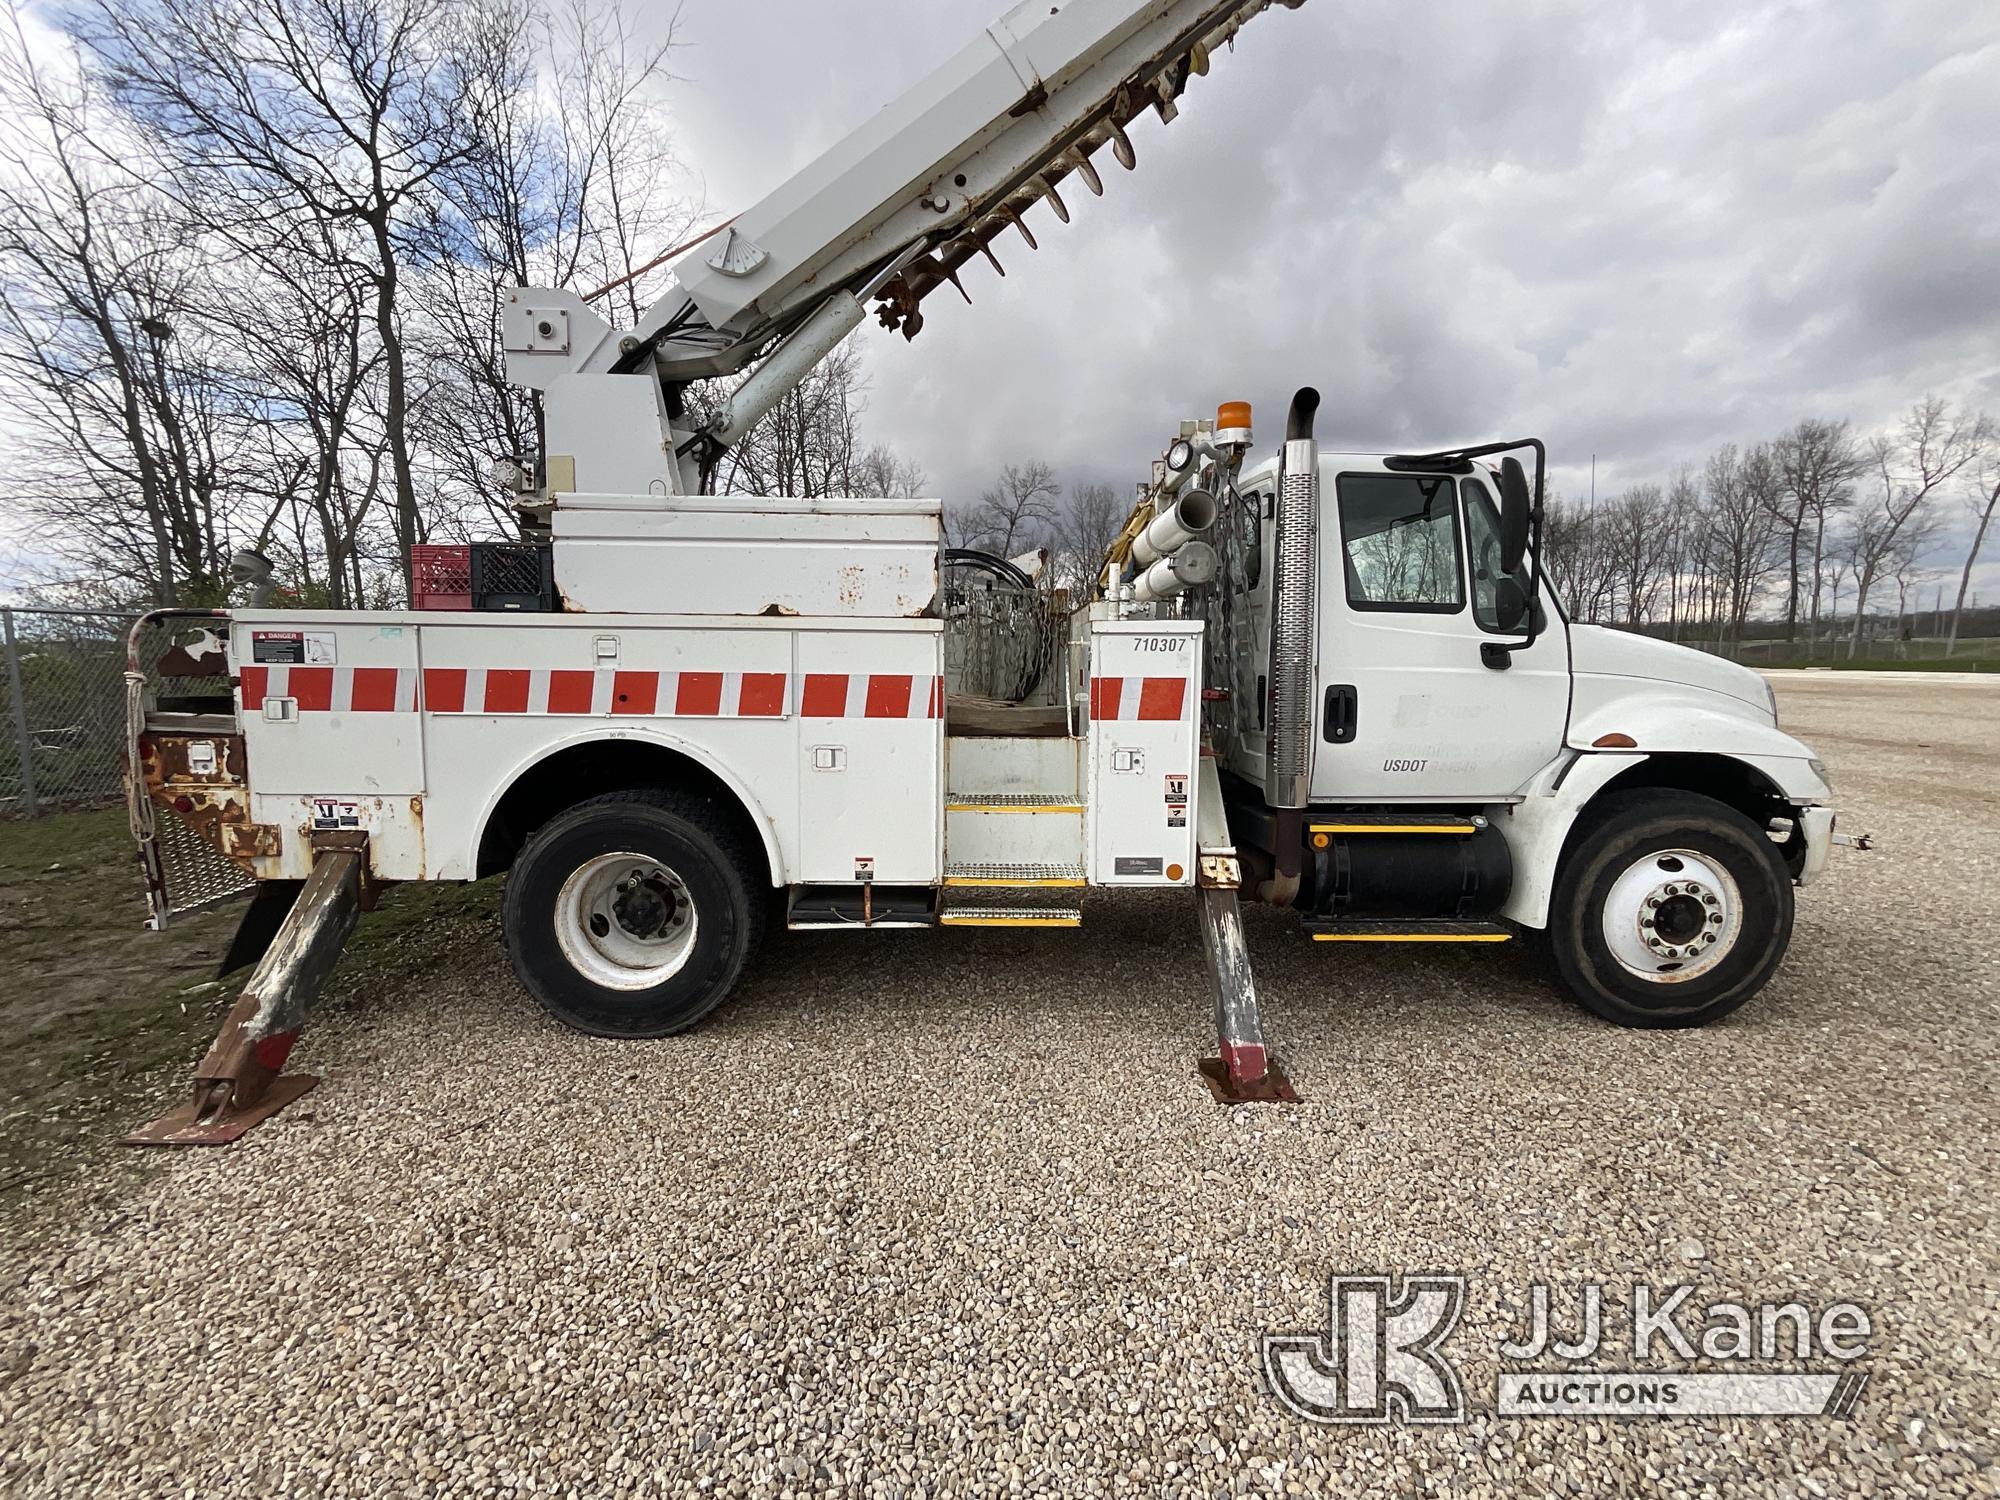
(1510, 603)
(1516, 508)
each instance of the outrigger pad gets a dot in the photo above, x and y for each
(178, 1127)
(1272, 1088)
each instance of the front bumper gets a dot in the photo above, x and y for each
(1816, 827)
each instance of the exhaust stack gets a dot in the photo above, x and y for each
(1288, 736)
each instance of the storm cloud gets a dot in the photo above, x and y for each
(1635, 229)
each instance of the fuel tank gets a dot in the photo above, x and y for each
(1391, 874)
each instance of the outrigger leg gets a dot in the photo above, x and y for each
(1243, 1073)
(237, 1084)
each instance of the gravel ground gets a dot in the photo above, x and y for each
(950, 1212)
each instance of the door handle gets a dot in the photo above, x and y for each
(1342, 708)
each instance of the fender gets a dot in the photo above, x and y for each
(1537, 825)
(466, 859)
(1663, 718)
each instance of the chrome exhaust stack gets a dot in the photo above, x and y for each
(1289, 716)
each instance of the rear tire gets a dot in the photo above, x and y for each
(1673, 910)
(631, 915)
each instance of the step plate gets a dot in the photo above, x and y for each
(1014, 876)
(1392, 930)
(1011, 916)
(1011, 802)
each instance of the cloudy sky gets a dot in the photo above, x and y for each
(1634, 229)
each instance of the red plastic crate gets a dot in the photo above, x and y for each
(441, 576)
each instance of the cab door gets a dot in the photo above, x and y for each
(1410, 708)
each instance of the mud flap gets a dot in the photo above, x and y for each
(237, 1084)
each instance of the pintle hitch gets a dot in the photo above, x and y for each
(239, 1083)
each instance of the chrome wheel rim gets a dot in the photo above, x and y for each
(626, 921)
(1672, 915)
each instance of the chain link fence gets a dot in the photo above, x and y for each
(62, 709)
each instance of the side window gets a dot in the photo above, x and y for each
(1482, 535)
(1399, 542)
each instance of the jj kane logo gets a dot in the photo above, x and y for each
(1383, 1357)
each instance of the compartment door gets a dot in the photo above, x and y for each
(329, 708)
(871, 756)
(1145, 716)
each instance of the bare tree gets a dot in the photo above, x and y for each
(571, 182)
(1983, 494)
(1741, 529)
(281, 114)
(1638, 549)
(881, 473)
(1677, 526)
(1577, 557)
(1818, 462)
(1934, 444)
(1017, 510)
(1087, 521)
(122, 446)
(309, 356)
(808, 444)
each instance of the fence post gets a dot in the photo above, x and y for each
(23, 743)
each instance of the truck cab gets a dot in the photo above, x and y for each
(1477, 764)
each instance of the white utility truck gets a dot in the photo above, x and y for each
(1335, 683)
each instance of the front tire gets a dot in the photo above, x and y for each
(1673, 910)
(631, 914)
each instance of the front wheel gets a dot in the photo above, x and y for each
(1672, 911)
(630, 915)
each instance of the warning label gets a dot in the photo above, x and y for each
(332, 813)
(1177, 788)
(292, 648)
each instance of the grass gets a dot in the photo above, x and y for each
(1927, 664)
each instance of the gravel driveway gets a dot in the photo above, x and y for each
(934, 1212)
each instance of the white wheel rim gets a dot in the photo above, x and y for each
(626, 921)
(1672, 916)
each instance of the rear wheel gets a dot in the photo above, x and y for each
(1673, 910)
(631, 915)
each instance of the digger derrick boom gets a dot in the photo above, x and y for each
(889, 214)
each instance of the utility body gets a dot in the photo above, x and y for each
(1336, 683)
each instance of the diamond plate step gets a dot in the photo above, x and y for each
(1011, 916)
(1004, 875)
(1011, 802)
